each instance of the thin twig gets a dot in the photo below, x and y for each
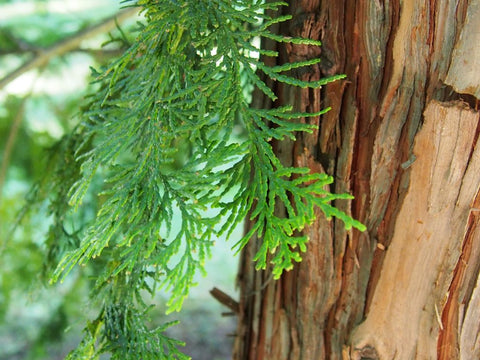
(69, 44)
(7, 152)
(92, 51)
(225, 299)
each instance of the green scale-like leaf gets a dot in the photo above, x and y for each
(158, 137)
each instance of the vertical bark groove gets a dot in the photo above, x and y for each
(406, 288)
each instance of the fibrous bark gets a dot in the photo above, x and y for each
(403, 140)
(426, 242)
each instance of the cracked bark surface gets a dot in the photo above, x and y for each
(403, 140)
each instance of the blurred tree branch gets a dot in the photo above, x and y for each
(10, 142)
(100, 53)
(73, 42)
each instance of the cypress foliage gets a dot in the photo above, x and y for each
(157, 137)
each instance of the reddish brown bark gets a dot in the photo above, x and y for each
(403, 142)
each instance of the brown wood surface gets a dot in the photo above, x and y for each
(403, 142)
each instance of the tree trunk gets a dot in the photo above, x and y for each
(401, 137)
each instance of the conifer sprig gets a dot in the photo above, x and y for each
(159, 133)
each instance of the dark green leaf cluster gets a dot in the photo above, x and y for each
(160, 133)
(122, 330)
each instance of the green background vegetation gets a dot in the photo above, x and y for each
(38, 321)
(169, 155)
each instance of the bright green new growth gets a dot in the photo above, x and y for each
(159, 134)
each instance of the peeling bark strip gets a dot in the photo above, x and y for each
(464, 74)
(405, 145)
(461, 315)
(426, 243)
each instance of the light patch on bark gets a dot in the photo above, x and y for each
(417, 271)
(464, 74)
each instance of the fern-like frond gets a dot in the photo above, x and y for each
(157, 140)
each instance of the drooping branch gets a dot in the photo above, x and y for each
(69, 44)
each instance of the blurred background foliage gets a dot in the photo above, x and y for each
(37, 106)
